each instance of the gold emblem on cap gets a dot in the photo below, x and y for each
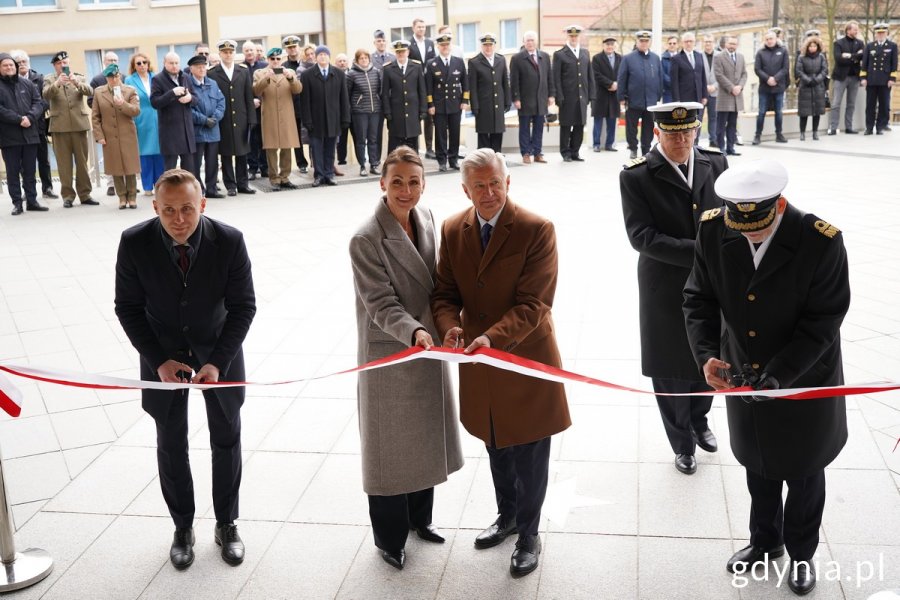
(679, 113)
(746, 207)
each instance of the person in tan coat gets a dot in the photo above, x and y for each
(494, 288)
(69, 123)
(112, 116)
(275, 87)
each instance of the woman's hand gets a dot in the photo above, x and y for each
(423, 339)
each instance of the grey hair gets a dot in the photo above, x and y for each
(481, 158)
(19, 54)
(687, 35)
(529, 34)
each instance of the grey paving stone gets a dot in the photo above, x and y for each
(861, 451)
(273, 482)
(473, 573)
(613, 485)
(79, 458)
(606, 567)
(23, 486)
(27, 436)
(847, 492)
(672, 568)
(335, 494)
(663, 487)
(866, 570)
(602, 433)
(310, 425)
(83, 427)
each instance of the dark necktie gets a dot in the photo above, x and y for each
(324, 73)
(534, 62)
(485, 235)
(684, 170)
(184, 262)
(734, 58)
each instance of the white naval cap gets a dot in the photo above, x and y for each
(754, 181)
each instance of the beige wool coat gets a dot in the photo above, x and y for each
(276, 97)
(115, 124)
(407, 414)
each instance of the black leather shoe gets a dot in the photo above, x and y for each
(868, 132)
(567, 159)
(110, 191)
(231, 192)
(395, 559)
(496, 533)
(831, 132)
(442, 168)
(304, 170)
(251, 176)
(756, 140)
(36, 207)
(17, 210)
(733, 153)
(851, 131)
(67, 204)
(430, 154)
(686, 463)
(246, 190)
(430, 533)
(815, 135)
(330, 182)
(577, 158)
(611, 149)
(525, 557)
(214, 195)
(182, 552)
(632, 154)
(886, 128)
(751, 554)
(706, 440)
(49, 194)
(780, 138)
(802, 578)
(89, 201)
(374, 171)
(802, 137)
(454, 165)
(879, 132)
(232, 546)
(317, 182)
(287, 185)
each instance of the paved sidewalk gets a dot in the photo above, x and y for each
(81, 469)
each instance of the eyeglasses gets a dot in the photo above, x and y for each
(274, 58)
(203, 53)
(141, 62)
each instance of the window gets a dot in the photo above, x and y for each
(14, 4)
(94, 59)
(509, 34)
(468, 37)
(41, 63)
(99, 3)
(406, 33)
(184, 52)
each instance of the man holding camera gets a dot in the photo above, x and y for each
(763, 307)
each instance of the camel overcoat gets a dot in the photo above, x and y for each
(115, 124)
(408, 426)
(276, 96)
(505, 292)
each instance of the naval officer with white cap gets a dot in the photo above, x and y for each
(763, 307)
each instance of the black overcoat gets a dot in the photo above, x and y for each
(661, 219)
(605, 104)
(574, 85)
(325, 103)
(240, 113)
(207, 312)
(784, 319)
(529, 85)
(489, 90)
(176, 126)
(403, 99)
(446, 87)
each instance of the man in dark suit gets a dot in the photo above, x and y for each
(240, 115)
(663, 195)
(326, 110)
(403, 99)
(689, 75)
(494, 287)
(489, 90)
(532, 91)
(763, 307)
(447, 89)
(848, 55)
(574, 86)
(640, 86)
(184, 297)
(605, 106)
(421, 50)
(257, 163)
(170, 96)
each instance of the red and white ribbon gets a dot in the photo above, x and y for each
(11, 397)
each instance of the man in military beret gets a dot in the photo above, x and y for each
(574, 85)
(640, 85)
(403, 99)
(66, 93)
(236, 84)
(447, 89)
(294, 60)
(878, 75)
(763, 307)
(663, 195)
(489, 94)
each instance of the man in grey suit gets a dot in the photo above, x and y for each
(712, 88)
(730, 71)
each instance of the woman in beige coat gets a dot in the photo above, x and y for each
(407, 415)
(276, 86)
(113, 111)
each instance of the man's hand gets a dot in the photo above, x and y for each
(736, 90)
(551, 101)
(423, 339)
(179, 90)
(890, 84)
(63, 79)
(463, 106)
(453, 338)
(614, 86)
(772, 81)
(765, 382)
(518, 104)
(703, 101)
(862, 83)
(101, 142)
(25, 122)
(432, 110)
(482, 341)
(171, 370)
(711, 373)
(256, 103)
(208, 373)
(186, 99)
(710, 88)
(210, 122)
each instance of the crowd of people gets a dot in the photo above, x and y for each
(246, 115)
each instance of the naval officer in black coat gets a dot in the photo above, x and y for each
(664, 193)
(184, 297)
(403, 99)
(763, 306)
(574, 84)
(489, 91)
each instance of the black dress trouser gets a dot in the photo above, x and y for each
(175, 468)
(570, 139)
(795, 523)
(680, 414)
(234, 172)
(446, 137)
(393, 516)
(632, 116)
(494, 141)
(520, 476)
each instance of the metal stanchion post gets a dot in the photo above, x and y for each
(25, 568)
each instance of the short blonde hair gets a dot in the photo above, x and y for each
(175, 178)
